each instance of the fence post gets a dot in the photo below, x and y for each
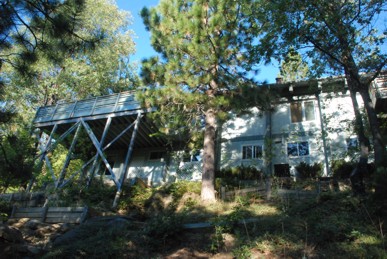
(44, 213)
(223, 193)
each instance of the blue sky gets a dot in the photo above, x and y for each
(144, 49)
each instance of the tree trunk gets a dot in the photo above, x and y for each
(208, 176)
(379, 146)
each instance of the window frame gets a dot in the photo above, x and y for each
(253, 152)
(349, 143)
(297, 146)
(294, 106)
(161, 158)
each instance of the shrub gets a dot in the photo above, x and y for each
(306, 171)
(240, 172)
(179, 188)
(5, 209)
(342, 169)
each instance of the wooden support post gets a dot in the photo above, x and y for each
(42, 156)
(95, 159)
(223, 193)
(62, 174)
(127, 160)
(44, 213)
(97, 146)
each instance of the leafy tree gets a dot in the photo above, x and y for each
(101, 70)
(204, 69)
(16, 152)
(338, 36)
(293, 68)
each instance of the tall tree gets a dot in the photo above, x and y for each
(77, 74)
(204, 66)
(39, 25)
(338, 37)
(293, 68)
(101, 70)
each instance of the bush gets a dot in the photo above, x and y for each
(240, 172)
(306, 171)
(5, 209)
(178, 189)
(342, 169)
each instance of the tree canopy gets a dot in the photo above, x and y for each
(39, 25)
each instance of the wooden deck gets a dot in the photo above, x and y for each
(94, 108)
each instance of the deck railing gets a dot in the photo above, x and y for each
(119, 102)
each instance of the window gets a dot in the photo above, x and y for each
(298, 149)
(352, 143)
(195, 157)
(302, 111)
(156, 155)
(282, 170)
(251, 152)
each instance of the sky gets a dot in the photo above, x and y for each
(145, 50)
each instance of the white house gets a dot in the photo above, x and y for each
(273, 141)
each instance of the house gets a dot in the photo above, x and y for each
(310, 123)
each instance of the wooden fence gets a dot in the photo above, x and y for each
(51, 214)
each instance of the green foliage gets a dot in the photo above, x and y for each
(217, 240)
(342, 169)
(5, 209)
(242, 252)
(293, 68)
(307, 171)
(17, 150)
(48, 27)
(380, 182)
(135, 198)
(97, 195)
(241, 172)
(162, 227)
(97, 239)
(204, 69)
(178, 189)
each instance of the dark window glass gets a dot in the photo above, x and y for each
(296, 112)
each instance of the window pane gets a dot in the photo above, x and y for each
(247, 152)
(303, 148)
(296, 112)
(292, 149)
(257, 151)
(309, 111)
(196, 157)
(352, 143)
(157, 155)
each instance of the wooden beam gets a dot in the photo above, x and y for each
(95, 159)
(97, 146)
(127, 160)
(42, 156)
(62, 174)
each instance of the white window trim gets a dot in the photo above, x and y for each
(303, 111)
(252, 145)
(298, 152)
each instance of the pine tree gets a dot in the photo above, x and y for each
(293, 68)
(204, 69)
